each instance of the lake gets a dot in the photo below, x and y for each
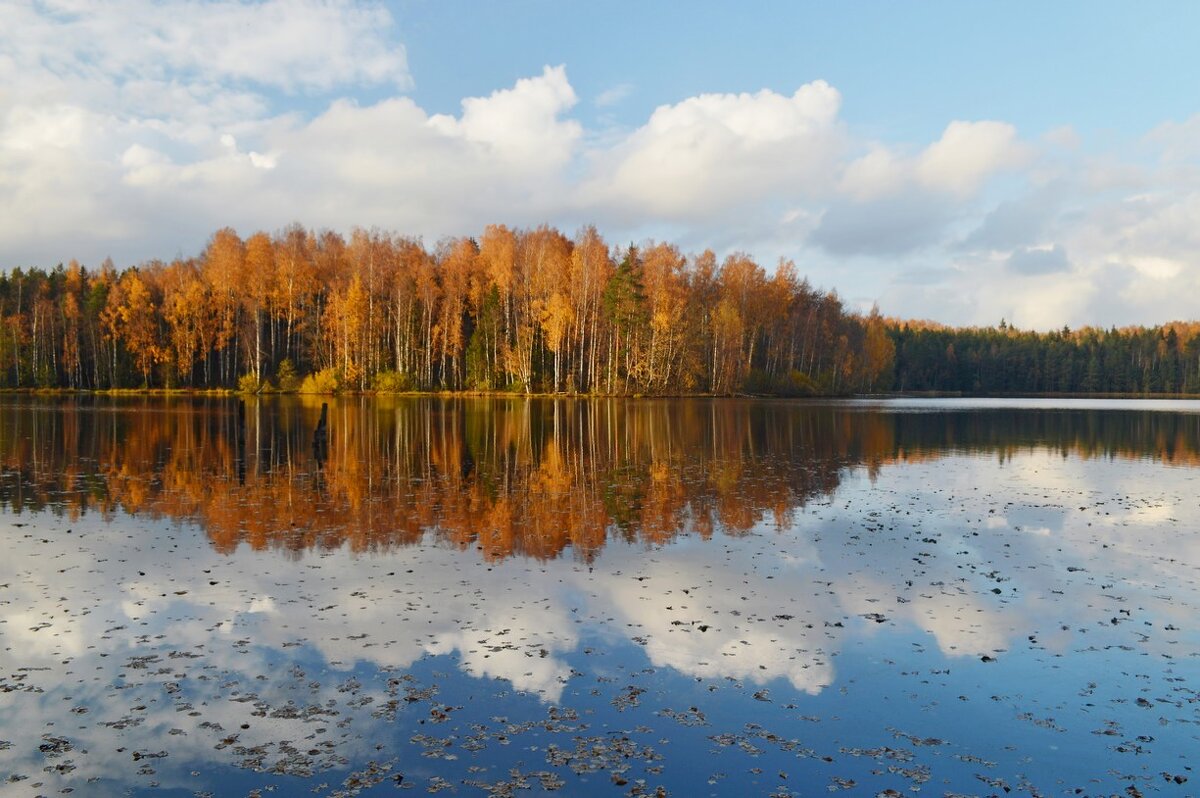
(599, 597)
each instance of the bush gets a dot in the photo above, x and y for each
(286, 377)
(324, 381)
(249, 383)
(799, 384)
(794, 383)
(391, 382)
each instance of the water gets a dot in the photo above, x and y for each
(496, 597)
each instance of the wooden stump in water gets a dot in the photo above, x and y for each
(321, 436)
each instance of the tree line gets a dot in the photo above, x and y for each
(997, 360)
(525, 310)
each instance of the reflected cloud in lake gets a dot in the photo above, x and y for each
(181, 582)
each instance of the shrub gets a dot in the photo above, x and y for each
(250, 383)
(324, 381)
(794, 383)
(391, 382)
(799, 384)
(286, 377)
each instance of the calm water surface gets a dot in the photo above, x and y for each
(492, 597)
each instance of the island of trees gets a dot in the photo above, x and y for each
(528, 311)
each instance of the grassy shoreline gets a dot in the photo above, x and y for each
(232, 392)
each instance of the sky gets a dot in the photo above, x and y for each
(957, 161)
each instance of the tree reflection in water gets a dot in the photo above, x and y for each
(507, 477)
(968, 589)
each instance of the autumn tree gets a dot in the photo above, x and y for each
(135, 321)
(188, 312)
(223, 266)
(294, 286)
(256, 292)
(665, 285)
(524, 309)
(590, 269)
(458, 262)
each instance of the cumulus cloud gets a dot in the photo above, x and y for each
(1127, 220)
(891, 203)
(112, 114)
(877, 174)
(135, 128)
(393, 165)
(708, 153)
(967, 154)
(521, 125)
(1132, 250)
(957, 164)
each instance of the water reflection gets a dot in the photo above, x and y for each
(1017, 587)
(508, 477)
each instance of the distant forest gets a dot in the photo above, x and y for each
(1000, 360)
(527, 311)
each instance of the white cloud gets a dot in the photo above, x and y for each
(958, 163)
(135, 128)
(891, 204)
(1042, 302)
(112, 114)
(613, 95)
(1177, 141)
(712, 152)
(520, 125)
(878, 173)
(967, 154)
(1063, 136)
(292, 45)
(393, 165)
(1156, 268)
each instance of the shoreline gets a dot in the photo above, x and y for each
(231, 392)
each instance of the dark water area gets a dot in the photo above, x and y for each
(625, 597)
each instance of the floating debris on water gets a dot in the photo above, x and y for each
(781, 599)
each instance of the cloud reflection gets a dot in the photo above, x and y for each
(140, 628)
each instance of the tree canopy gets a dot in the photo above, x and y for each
(528, 310)
(525, 310)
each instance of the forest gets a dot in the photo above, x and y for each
(1003, 360)
(524, 311)
(528, 311)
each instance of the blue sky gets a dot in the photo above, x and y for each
(959, 161)
(904, 68)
